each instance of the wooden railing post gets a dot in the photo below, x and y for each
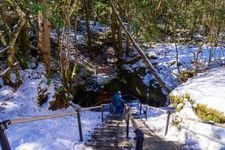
(167, 122)
(3, 137)
(79, 125)
(146, 113)
(140, 107)
(102, 112)
(127, 121)
(110, 107)
(139, 139)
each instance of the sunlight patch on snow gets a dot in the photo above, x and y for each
(8, 106)
(193, 135)
(206, 88)
(6, 92)
(30, 146)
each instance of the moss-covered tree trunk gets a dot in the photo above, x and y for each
(12, 42)
(24, 48)
(23, 39)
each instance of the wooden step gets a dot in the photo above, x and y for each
(109, 135)
(109, 132)
(108, 129)
(110, 148)
(106, 138)
(122, 144)
(114, 125)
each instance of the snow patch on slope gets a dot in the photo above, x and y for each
(206, 88)
(59, 133)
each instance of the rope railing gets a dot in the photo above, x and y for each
(6, 123)
(171, 110)
(206, 122)
(128, 117)
(38, 118)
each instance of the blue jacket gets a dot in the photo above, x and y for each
(117, 100)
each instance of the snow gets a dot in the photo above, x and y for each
(62, 133)
(206, 88)
(147, 79)
(166, 58)
(193, 135)
(59, 133)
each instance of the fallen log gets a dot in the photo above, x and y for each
(140, 51)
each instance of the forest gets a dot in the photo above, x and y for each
(54, 52)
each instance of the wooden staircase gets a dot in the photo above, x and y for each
(111, 135)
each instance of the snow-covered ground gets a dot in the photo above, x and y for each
(206, 88)
(166, 58)
(193, 135)
(59, 133)
(62, 133)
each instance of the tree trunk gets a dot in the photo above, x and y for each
(75, 49)
(60, 60)
(11, 50)
(196, 59)
(128, 29)
(177, 58)
(113, 30)
(67, 63)
(119, 41)
(87, 15)
(24, 40)
(141, 53)
(2, 40)
(119, 33)
(44, 38)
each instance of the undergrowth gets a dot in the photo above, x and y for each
(202, 111)
(62, 98)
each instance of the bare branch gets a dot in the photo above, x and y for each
(4, 49)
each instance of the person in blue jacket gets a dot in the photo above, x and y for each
(118, 103)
